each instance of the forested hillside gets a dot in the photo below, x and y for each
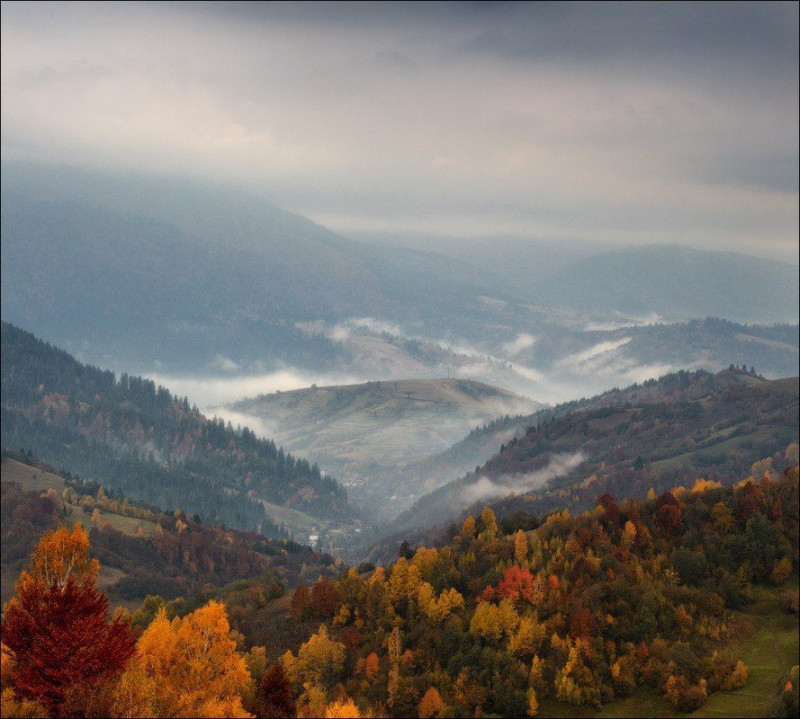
(582, 609)
(131, 435)
(142, 550)
(595, 611)
(647, 437)
(483, 442)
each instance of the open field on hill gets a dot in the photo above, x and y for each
(769, 652)
(31, 479)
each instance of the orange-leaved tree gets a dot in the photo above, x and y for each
(57, 627)
(191, 665)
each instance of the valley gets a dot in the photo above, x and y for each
(394, 360)
(369, 435)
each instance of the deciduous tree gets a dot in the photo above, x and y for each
(193, 664)
(57, 627)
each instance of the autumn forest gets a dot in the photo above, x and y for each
(381, 359)
(499, 621)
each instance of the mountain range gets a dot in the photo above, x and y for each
(158, 273)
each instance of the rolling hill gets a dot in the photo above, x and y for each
(136, 437)
(368, 433)
(626, 443)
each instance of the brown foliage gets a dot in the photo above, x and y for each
(325, 598)
(274, 699)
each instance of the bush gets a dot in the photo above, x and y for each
(684, 696)
(789, 601)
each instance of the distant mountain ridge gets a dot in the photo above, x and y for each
(677, 283)
(196, 267)
(149, 272)
(673, 281)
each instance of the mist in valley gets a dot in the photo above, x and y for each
(334, 196)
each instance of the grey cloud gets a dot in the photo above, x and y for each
(608, 121)
(395, 61)
(777, 173)
(753, 32)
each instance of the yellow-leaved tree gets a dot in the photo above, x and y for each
(521, 548)
(187, 667)
(320, 659)
(431, 704)
(343, 707)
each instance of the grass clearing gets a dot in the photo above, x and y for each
(32, 479)
(769, 652)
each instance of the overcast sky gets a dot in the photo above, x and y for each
(616, 122)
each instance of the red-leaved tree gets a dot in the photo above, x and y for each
(57, 627)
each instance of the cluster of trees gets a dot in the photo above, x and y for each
(180, 558)
(502, 620)
(62, 655)
(581, 609)
(139, 438)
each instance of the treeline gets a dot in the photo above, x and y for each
(135, 436)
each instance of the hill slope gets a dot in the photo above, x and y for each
(142, 550)
(369, 433)
(133, 436)
(628, 444)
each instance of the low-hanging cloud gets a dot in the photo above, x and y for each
(522, 342)
(485, 488)
(211, 392)
(594, 354)
(622, 323)
(523, 118)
